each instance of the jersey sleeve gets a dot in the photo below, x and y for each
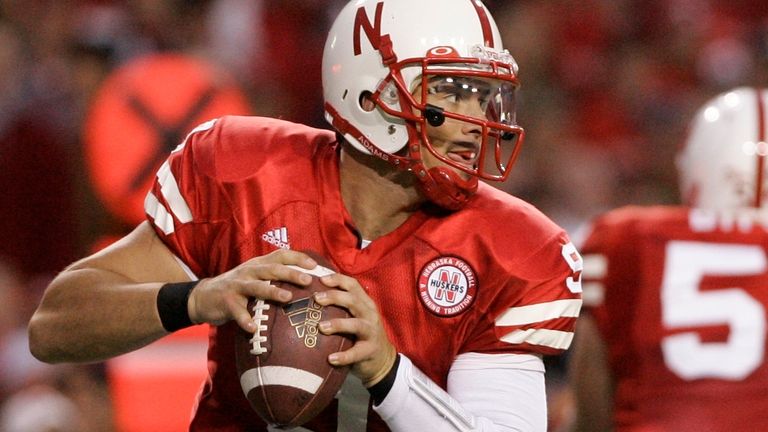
(536, 311)
(610, 274)
(185, 201)
(476, 385)
(596, 250)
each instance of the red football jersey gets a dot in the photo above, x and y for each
(679, 296)
(496, 277)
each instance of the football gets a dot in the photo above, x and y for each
(283, 367)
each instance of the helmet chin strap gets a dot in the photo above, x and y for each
(440, 185)
(446, 188)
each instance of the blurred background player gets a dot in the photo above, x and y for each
(673, 337)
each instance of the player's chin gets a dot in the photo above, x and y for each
(464, 175)
(460, 173)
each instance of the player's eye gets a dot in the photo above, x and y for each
(447, 92)
(453, 97)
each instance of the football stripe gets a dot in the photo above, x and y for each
(544, 337)
(318, 271)
(280, 376)
(530, 314)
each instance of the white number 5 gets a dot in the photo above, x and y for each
(684, 305)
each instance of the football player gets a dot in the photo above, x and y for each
(456, 289)
(674, 338)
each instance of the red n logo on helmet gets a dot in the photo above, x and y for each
(372, 31)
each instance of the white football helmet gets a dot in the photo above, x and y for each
(383, 50)
(723, 162)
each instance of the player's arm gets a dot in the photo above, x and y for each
(107, 304)
(486, 392)
(590, 379)
(104, 305)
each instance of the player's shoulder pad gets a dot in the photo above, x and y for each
(634, 218)
(511, 216)
(233, 147)
(501, 230)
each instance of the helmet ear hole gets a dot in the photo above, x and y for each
(366, 101)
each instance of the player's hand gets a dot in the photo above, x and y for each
(372, 355)
(223, 298)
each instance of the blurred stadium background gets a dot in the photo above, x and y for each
(94, 93)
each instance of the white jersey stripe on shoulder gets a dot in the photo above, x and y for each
(160, 216)
(200, 128)
(530, 314)
(172, 194)
(203, 126)
(550, 338)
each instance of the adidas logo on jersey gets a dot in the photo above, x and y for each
(277, 237)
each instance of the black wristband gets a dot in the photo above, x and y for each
(172, 305)
(381, 389)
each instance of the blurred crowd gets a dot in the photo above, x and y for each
(607, 89)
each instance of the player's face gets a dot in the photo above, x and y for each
(457, 140)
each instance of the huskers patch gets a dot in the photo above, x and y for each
(447, 286)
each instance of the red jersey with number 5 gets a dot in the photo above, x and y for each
(679, 296)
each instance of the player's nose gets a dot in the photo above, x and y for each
(472, 129)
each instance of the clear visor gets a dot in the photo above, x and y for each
(485, 105)
(486, 99)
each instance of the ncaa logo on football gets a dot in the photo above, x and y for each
(447, 286)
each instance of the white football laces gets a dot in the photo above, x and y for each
(259, 319)
(260, 306)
